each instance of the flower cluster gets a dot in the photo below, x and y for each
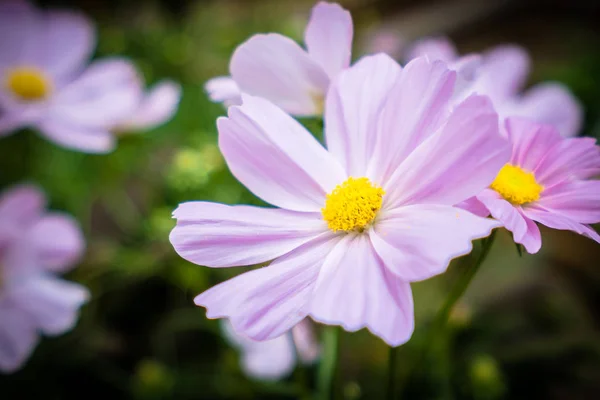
(48, 84)
(416, 159)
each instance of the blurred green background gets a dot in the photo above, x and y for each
(527, 328)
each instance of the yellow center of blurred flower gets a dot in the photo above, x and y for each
(516, 185)
(352, 205)
(28, 83)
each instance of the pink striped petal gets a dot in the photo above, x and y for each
(264, 303)
(354, 102)
(328, 37)
(556, 221)
(417, 104)
(357, 291)
(217, 235)
(276, 157)
(531, 142)
(404, 238)
(578, 201)
(568, 159)
(456, 163)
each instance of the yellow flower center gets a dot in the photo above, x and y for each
(516, 185)
(28, 83)
(352, 205)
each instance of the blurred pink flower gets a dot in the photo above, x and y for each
(501, 74)
(156, 106)
(35, 246)
(276, 68)
(546, 181)
(47, 85)
(276, 358)
(356, 222)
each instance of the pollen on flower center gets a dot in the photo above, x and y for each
(352, 205)
(516, 185)
(28, 83)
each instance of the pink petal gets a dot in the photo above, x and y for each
(223, 89)
(20, 206)
(503, 73)
(417, 104)
(85, 139)
(556, 221)
(306, 345)
(274, 67)
(158, 105)
(405, 238)
(553, 104)
(568, 159)
(107, 93)
(19, 25)
(578, 201)
(58, 241)
(276, 157)
(437, 48)
(474, 206)
(66, 41)
(52, 303)
(264, 303)
(217, 235)
(358, 292)
(268, 360)
(530, 141)
(513, 220)
(18, 337)
(354, 102)
(328, 37)
(456, 163)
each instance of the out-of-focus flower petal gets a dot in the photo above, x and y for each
(90, 140)
(57, 240)
(158, 105)
(354, 102)
(276, 68)
(52, 303)
(223, 89)
(18, 337)
(268, 360)
(107, 93)
(418, 242)
(328, 37)
(217, 235)
(363, 296)
(264, 303)
(551, 103)
(67, 39)
(276, 157)
(19, 22)
(436, 48)
(503, 73)
(307, 347)
(21, 206)
(468, 154)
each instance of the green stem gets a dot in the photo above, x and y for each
(392, 375)
(326, 372)
(473, 263)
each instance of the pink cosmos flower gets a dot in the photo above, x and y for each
(35, 246)
(546, 181)
(276, 358)
(276, 68)
(501, 75)
(357, 221)
(47, 86)
(156, 106)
